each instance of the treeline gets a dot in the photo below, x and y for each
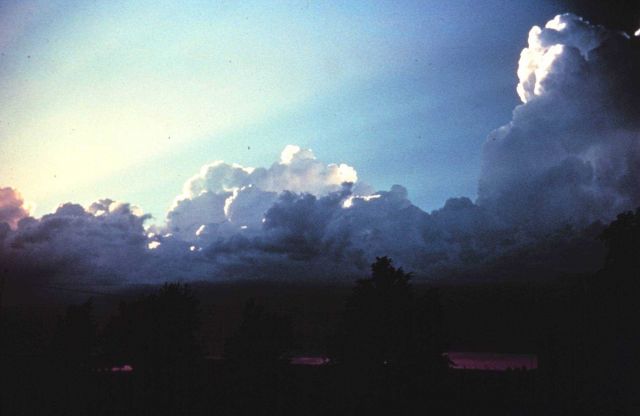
(590, 354)
(385, 354)
(148, 357)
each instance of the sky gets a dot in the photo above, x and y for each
(126, 100)
(154, 140)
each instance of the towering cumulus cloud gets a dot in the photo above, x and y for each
(571, 153)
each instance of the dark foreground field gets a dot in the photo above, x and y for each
(548, 321)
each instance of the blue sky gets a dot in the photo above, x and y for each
(128, 100)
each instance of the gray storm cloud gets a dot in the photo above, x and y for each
(101, 242)
(569, 157)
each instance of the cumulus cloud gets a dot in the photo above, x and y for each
(571, 153)
(103, 242)
(339, 234)
(108, 242)
(245, 228)
(240, 196)
(569, 157)
(334, 235)
(12, 207)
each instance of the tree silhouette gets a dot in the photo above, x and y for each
(72, 361)
(158, 337)
(377, 323)
(262, 339)
(622, 238)
(613, 336)
(257, 361)
(430, 339)
(390, 342)
(159, 330)
(74, 342)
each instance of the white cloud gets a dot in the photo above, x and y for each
(547, 52)
(240, 196)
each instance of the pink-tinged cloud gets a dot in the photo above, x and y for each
(492, 361)
(12, 207)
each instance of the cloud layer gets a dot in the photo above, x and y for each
(570, 157)
(102, 242)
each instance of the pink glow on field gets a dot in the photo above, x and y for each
(309, 360)
(124, 369)
(492, 361)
